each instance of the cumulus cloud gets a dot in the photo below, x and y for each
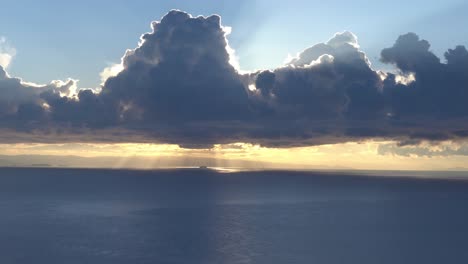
(6, 53)
(180, 71)
(22, 107)
(433, 104)
(330, 80)
(182, 85)
(110, 71)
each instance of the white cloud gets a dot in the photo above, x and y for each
(405, 79)
(233, 59)
(110, 71)
(345, 37)
(6, 53)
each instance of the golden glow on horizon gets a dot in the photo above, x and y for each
(338, 156)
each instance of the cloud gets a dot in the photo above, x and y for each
(433, 105)
(5, 59)
(21, 105)
(110, 71)
(6, 53)
(331, 81)
(181, 85)
(180, 72)
(425, 149)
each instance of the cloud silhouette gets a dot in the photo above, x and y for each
(179, 86)
(21, 105)
(180, 72)
(433, 106)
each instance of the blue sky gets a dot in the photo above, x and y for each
(61, 39)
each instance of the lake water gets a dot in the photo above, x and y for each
(67, 216)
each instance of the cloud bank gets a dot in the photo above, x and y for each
(180, 86)
(426, 149)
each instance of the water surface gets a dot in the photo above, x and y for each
(68, 216)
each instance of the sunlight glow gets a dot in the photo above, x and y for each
(355, 155)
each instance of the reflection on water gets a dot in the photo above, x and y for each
(204, 216)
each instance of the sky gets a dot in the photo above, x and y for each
(372, 96)
(77, 39)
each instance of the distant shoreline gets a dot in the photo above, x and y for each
(383, 174)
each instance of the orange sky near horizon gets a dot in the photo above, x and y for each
(354, 155)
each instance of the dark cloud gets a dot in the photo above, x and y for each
(440, 90)
(180, 72)
(21, 105)
(410, 54)
(331, 80)
(178, 86)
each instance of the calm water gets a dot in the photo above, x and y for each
(198, 216)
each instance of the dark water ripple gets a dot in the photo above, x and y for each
(197, 216)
